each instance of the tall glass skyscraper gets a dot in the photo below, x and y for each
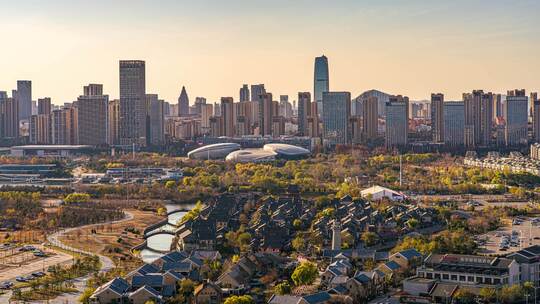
(132, 120)
(336, 118)
(320, 81)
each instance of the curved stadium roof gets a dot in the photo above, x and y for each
(286, 150)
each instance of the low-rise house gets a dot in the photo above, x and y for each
(407, 258)
(143, 295)
(529, 263)
(112, 292)
(208, 293)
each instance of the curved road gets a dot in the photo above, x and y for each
(80, 283)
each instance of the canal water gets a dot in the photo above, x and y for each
(162, 242)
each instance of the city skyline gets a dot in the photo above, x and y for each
(414, 49)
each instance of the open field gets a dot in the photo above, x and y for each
(113, 240)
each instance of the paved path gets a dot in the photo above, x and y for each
(80, 283)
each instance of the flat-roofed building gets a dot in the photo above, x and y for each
(93, 109)
(453, 116)
(397, 121)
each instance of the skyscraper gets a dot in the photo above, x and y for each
(266, 114)
(132, 120)
(478, 118)
(9, 116)
(454, 120)
(244, 93)
(114, 116)
(256, 91)
(40, 129)
(437, 117)
(370, 122)
(533, 97)
(44, 105)
(227, 116)
(155, 117)
(336, 115)
(304, 112)
(183, 103)
(320, 81)
(516, 118)
(24, 98)
(93, 109)
(536, 121)
(397, 121)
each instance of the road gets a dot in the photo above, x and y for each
(80, 283)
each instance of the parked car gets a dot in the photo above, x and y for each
(21, 279)
(6, 285)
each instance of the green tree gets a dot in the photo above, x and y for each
(299, 243)
(369, 238)
(170, 184)
(283, 288)
(297, 224)
(487, 294)
(305, 274)
(245, 299)
(77, 198)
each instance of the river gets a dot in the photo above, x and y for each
(162, 242)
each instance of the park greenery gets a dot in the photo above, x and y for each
(305, 274)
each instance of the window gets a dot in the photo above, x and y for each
(429, 275)
(445, 276)
(453, 277)
(437, 276)
(462, 278)
(470, 279)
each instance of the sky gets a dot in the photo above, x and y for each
(408, 47)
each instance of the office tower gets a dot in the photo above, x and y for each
(199, 101)
(40, 129)
(244, 93)
(355, 123)
(155, 117)
(370, 122)
(336, 115)
(44, 105)
(532, 99)
(132, 122)
(266, 113)
(243, 114)
(114, 117)
(382, 98)
(320, 81)
(437, 117)
(516, 118)
(93, 110)
(536, 121)
(278, 126)
(227, 116)
(478, 118)
(256, 91)
(183, 103)
(454, 121)
(397, 121)
(304, 112)
(207, 110)
(24, 98)
(9, 116)
(497, 106)
(285, 107)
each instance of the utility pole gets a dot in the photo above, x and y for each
(400, 171)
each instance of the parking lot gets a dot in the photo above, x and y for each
(521, 233)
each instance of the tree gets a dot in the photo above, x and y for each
(245, 299)
(369, 238)
(487, 294)
(412, 223)
(297, 224)
(77, 198)
(283, 288)
(305, 274)
(299, 243)
(170, 184)
(464, 297)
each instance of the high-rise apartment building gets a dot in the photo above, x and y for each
(93, 109)
(536, 121)
(321, 81)
(244, 93)
(199, 101)
(9, 116)
(183, 103)
(517, 107)
(437, 117)
(132, 120)
(533, 97)
(40, 129)
(227, 116)
(207, 110)
(114, 117)
(370, 122)
(24, 98)
(266, 114)
(155, 120)
(336, 115)
(44, 105)
(256, 91)
(478, 118)
(304, 112)
(397, 121)
(454, 121)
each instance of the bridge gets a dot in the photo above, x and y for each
(165, 229)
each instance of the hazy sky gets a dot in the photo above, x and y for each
(408, 47)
